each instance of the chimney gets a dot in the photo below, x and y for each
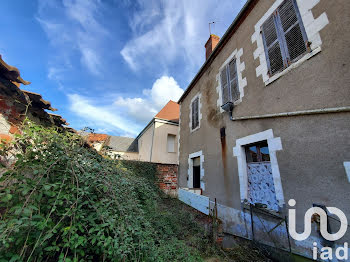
(210, 45)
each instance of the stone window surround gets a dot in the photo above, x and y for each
(199, 95)
(274, 144)
(190, 169)
(242, 82)
(312, 27)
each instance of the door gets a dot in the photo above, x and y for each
(196, 177)
(261, 187)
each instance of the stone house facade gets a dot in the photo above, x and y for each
(267, 119)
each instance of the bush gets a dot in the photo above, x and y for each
(62, 201)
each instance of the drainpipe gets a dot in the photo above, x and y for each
(295, 113)
(154, 125)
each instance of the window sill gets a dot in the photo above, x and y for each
(294, 65)
(193, 130)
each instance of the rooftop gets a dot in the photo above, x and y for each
(123, 144)
(171, 112)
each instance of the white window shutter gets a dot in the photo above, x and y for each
(292, 28)
(272, 46)
(233, 81)
(224, 86)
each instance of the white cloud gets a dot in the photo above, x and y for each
(74, 28)
(165, 31)
(128, 115)
(103, 118)
(163, 90)
(144, 109)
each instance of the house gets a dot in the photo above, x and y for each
(119, 147)
(157, 142)
(267, 119)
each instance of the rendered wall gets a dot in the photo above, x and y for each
(145, 144)
(160, 144)
(314, 147)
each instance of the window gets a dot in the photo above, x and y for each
(229, 83)
(258, 152)
(284, 37)
(171, 143)
(195, 113)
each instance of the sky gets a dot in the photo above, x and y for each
(110, 65)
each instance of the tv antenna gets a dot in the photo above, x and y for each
(211, 23)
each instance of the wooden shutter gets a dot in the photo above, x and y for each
(233, 81)
(195, 120)
(272, 46)
(293, 30)
(224, 86)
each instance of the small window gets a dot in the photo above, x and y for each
(195, 113)
(229, 83)
(284, 37)
(171, 143)
(258, 152)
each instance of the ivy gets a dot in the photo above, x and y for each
(62, 201)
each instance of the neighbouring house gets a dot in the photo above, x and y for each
(16, 104)
(119, 147)
(157, 142)
(267, 119)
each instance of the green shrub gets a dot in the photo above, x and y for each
(62, 201)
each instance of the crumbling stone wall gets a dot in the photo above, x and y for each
(9, 118)
(167, 178)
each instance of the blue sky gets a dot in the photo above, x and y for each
(110, 65)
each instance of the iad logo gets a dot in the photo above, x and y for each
(326, 252)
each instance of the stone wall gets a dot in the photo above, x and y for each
(167, 178)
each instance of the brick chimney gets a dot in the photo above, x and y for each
(210, 45)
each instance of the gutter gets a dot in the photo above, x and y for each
(295, 113)
(156, 119)
(225, 38)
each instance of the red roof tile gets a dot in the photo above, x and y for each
(97, 137)
(171, 111)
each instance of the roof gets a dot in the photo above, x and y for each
(11, 73)
(38, 101)
(97, 138)
(58, 120)
(123, 144)
(223, 41)
(171, 112)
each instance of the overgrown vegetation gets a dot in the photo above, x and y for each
(61, 201)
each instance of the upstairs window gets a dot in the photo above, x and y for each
(195, 113)
(229, 83)
(171, 143)
(284, 37)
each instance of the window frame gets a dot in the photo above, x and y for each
(228, 82)
(282, 39)
(174, 149)
(258, 145)
(199, 116)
